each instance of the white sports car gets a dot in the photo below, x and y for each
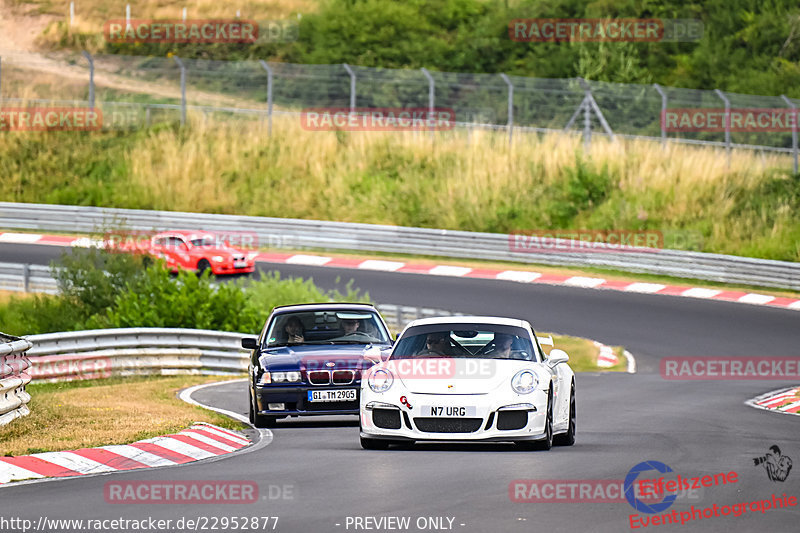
(469, 378)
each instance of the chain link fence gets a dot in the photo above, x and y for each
(135, 91)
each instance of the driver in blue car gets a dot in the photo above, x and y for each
(350, 326)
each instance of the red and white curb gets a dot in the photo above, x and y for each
(200, 441)
(521, 276)
(785, 401)
(606, 357)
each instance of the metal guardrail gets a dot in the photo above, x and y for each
(314, 234)
(27, 278)
(14, 375)
(130, 351)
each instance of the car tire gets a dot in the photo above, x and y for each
(202, 266)
(260, 421)
(546, 443)
(568, 438)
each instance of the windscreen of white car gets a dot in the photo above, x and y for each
(327, 327)
(482, 341)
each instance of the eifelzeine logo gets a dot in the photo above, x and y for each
(50, 119)
(181, 31)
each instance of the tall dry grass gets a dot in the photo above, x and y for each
(458, 180)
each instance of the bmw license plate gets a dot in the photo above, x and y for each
(239, 264)
(341, 395)
(448, 411)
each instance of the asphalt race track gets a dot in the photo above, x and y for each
(315, 477)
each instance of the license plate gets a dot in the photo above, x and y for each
(341, 395)
(239, 264)
(448, 411)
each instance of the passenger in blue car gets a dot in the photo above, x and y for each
(294, 330)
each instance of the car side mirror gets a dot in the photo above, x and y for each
(249, 343)
(557, 356)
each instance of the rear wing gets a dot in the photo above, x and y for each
(547, 341)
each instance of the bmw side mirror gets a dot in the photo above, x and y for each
(249, 343)
(557, 356)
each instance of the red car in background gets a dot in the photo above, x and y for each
(199, 251)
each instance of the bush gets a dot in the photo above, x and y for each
(108, 290)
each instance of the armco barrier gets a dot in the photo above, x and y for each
(315, 234)
(127, 351)
(14, 375)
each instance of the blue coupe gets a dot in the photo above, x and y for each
(309, 359)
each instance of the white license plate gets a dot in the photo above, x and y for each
(341, 395)
(239, 264)
(448, 411)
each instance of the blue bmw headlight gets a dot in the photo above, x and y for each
(524, 382)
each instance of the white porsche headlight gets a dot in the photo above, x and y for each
(524, 382)
(218, 258)
(380, 380)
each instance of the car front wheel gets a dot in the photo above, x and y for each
(568, 438)
(260, 421)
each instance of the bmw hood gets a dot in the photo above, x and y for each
(317, 357)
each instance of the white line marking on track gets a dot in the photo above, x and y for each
(181, 447)
(789, 406)
(648, 288)
(581, 281)
(700, 292)
(9, 472)
(74, 462)
(136, 454)
(19, 237)
(449, 270)
(753, 298)
(521, 276)
(312, 260)
(210, 441)
(224, 434)
(386, 266)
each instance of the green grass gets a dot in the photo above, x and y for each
(750, 208)
(84, 414)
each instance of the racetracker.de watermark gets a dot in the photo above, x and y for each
(554, 30)
(192, 492)
(70, 367)
(730, 368)
(205, 31)
(378, 119)
(735, 120)
(592, 490)
(50, 119)
(145, 240)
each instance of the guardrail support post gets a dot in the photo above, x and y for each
(183, 89)
(510, 107)
(663, 113)
(794, 129)
(266, 67)
(89, 58)
(431, 95)
(727, 123)
(352, 86)
(26, 277)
